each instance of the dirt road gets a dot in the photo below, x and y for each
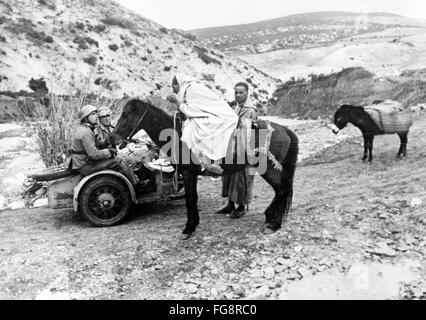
(357, 230)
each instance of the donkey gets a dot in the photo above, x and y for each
(360, 118)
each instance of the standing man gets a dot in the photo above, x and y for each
(104, 128)
(86, 158)
(238, 186)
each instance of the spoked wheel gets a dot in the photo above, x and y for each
(105, 201)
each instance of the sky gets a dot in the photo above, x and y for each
(193, 14)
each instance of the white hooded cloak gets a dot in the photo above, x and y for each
(211, 121)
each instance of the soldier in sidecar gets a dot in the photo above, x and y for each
(101, 184)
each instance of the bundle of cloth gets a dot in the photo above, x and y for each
(390, 116)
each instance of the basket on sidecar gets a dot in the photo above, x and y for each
(105, 198)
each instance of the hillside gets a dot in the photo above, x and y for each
(319, 96)
(302, 31)
(388, 52)
(102, 48)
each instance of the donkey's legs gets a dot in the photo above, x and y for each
(403, 146)
(370, 147)
(364, 156)
(190, 181)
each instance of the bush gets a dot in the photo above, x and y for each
(136, 33)
(164, 30)
(56, 123)
(81, 43)
(2, 39)
(39, 86)
(91, 41)
(39, 36)
(113, 47)
(54, 127)
(166, 68)
(49, 5)
(208, 77)
(122, 23)
(99, 28)
(79, 25)
(90, 60)
(205, 57)
(217, 54)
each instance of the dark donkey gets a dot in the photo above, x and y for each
(361, 119)
(138, 114)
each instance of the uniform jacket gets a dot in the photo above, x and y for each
(83, 143)
(101, 132)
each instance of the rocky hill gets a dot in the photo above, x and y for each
(308, 30)
(102, 48)
(319, 96)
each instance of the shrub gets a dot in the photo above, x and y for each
(56, 123)
(2, 39)
(79, 25)
(127, 43)
(166, 68)
(136, 33)
(205, 57)
(122, 23)
(90, 60)
(39, 36)
(158, 86)
(217, 54)
(99, 28)
(45, 3)
(208, 77)
(113, 47)
(164, 30)
(91, 41)
(39, 86)
(81, 43)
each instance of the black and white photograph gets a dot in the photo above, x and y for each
(227, 151)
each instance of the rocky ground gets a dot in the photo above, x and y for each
(357, 230)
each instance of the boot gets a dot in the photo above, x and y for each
(238, 213)
(228, 209)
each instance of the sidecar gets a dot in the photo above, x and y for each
(106, 197)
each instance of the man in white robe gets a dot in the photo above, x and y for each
(210, 120)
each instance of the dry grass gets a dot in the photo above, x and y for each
(55, 124)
